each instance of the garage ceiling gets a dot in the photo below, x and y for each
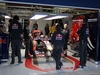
(26, 11)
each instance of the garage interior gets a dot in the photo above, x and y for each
(25, 12)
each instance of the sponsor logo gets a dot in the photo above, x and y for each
(14, 26)
(2, 41)
(58, 37)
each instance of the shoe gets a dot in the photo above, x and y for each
(20, 62)
(12, 63)
(58, 68)
(61, 64)
(84, 65)
(80, 66)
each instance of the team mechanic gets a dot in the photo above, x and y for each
(57, 41)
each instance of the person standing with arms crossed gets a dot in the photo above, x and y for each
(83, 34)
(16, 31)
(57, 41)
(27, 39)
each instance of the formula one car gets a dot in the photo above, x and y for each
(41, 44)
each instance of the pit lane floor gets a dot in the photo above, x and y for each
(39, 66)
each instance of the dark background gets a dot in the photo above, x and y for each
(73, 3)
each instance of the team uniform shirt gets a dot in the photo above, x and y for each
(57, 39)
(26, 32)
(66, 34)
(83, 32)
(15, 30)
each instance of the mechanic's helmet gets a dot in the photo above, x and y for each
(41, 36)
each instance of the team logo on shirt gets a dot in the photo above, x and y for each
(2, 41)
(15, 26)
(58, 37)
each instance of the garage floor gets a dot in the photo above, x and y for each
(39, 66)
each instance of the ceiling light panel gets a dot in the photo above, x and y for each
(38, 16)
(7, 17)
(56, 17)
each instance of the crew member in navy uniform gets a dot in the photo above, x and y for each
(66, 37)
(57, 41)
(47, 29)
(16, 31)
(26, 38)
(83, 34)
(28, 42)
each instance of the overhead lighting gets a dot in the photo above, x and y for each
(7, 17)
(56, 17)
(77, 20)
(38, 16)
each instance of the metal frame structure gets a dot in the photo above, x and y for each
(26, 11)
